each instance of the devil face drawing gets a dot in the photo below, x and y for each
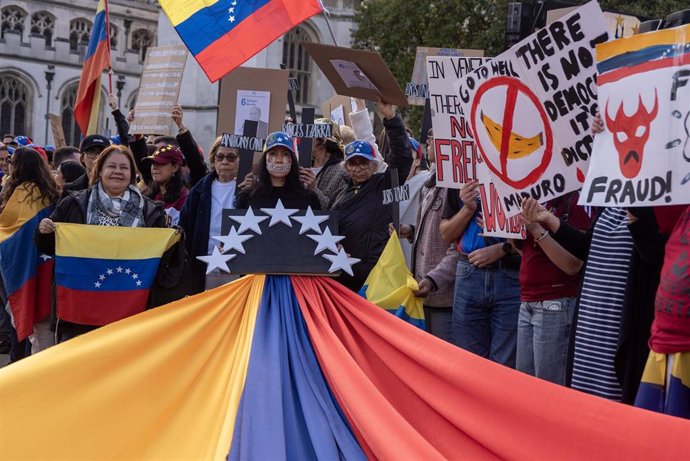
(630, 134)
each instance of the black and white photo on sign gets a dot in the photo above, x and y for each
(255, 106)
(352, 75)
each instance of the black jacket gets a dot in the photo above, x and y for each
(195, 220)
(79, 184)
(72, 209)
(362, 217)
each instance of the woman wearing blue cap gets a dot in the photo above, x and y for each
(363, 217)
(279, 178)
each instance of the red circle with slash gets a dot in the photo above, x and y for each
(514, 87)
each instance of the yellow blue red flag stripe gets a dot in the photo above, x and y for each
(277, 367)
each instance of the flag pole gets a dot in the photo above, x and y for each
(326, 14)
(107, 37)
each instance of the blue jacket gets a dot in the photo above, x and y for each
(195, 219)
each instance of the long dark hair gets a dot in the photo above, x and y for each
(264, 186)
(173, 189)
(29, 166)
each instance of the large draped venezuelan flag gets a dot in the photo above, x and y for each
(104, 274)
(26, 274)
(96, 60)
(223, 34)
(278, 367)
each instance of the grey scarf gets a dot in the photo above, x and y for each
(125, 211)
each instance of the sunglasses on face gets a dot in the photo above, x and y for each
(228, 157)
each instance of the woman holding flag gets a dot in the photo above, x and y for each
(29, 194)
(112, 200)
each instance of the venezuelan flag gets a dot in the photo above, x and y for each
(280, 367)
(96, 60)
(390, 285)
(26, 274)
(223, 34)
(104, 274)
(655, 395)
(642, 53)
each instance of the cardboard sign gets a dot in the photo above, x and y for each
(531, 108)
(248, 79)
(454, 146)
(357, 73)
(159, 90)
(416, 89)
(338, 109)
(643, 156)
(496, 223)
(56, 128)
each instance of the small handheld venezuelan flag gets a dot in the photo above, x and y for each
(105, 274)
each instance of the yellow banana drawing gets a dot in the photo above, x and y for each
(518, 146)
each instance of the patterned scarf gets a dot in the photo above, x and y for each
(125, 211)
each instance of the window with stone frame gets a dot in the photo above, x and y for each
(15, 102)
(69, 124)
(299, 63)
(12, 19)
(43, 24)
(142, 39)
(113, 36)
(79, 34)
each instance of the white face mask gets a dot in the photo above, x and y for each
(278, 167)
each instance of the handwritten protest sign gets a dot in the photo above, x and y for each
(417, 90)
(530, 109)
(159, 89)
(496, 222)
(643, 156)
(56, 128)
(454, 146)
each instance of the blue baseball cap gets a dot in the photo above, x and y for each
(360, 149)
(49, 147)
(22, 141)
(115, 139)
(279, 138)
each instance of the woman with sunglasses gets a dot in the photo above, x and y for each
(201, 214)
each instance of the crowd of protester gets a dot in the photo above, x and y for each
(579, 302)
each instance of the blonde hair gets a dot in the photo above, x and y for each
(100, 161)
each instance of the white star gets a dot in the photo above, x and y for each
(119, 269)
(231, 10)
(97, 284)
(280, 214)
(128, 271)
(232, 19)
(234, 2)
(216, 260)
(45, 257)
(232, 241)
(101, 277)
(135, 276)
(138, 283)
(109, 272)
(310, 221)
(341, 261)
(249, 221)
(325, 241)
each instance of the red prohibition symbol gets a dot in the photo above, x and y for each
(513, 88)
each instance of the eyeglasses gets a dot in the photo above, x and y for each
(228, 157)
(361, 165)
(92, 154)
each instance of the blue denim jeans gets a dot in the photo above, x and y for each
(544, 337)
(485, 312)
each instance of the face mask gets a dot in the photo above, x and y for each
(278, 167)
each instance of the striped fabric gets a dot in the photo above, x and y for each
(601, 303)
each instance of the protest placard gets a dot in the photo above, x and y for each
(357, 73)
(417, 90)
(496, 222)
(159, 89)
(338, 109)
(264, 89)
(643, 156)
(56, 129)
(454, 146)
(531, 108)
